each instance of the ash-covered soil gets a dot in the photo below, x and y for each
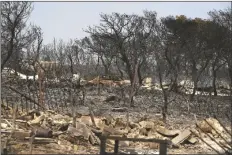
(182, 113)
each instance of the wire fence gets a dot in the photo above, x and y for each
(58, 95)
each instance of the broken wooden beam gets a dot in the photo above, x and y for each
(181, 137)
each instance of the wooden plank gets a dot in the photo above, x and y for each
(137, 139)
(181, 137)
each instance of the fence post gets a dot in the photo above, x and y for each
(116, 146)
(103, 145)
(163, 149)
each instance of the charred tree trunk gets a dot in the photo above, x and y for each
(194, 79)
(139, 76)
(165, 107)
(173, 65)
(230, 75)
(106, 67)
(120, 71)
(71, 65)
(41, 87)
(194, 90)
(214, 81)
(174, 86)
(10, 49)
(133, 85)
(165, 96)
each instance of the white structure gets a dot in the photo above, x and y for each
(76, 77)
(21, 76)
(187, 83)
(148, 82)
(25, 77)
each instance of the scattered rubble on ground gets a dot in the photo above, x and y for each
(26, 132)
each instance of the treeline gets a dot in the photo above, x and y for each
(132, 46)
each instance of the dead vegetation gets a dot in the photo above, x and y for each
(105, 114)
(134, 76)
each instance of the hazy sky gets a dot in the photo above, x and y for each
(66, 20)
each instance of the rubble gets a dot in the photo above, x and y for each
(210, 125)
(46, 127)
